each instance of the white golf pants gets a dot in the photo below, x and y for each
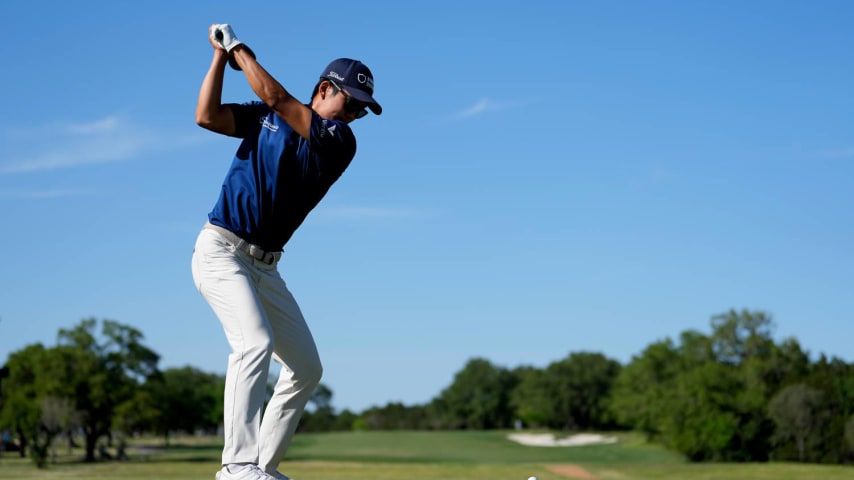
(261, 320)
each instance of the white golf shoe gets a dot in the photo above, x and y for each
(249, 472)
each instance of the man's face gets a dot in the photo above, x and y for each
(340, 105)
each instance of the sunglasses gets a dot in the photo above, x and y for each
(351, 105)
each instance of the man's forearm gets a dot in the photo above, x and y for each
(271, 92)
(268, 89)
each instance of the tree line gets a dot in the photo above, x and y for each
(733, 394)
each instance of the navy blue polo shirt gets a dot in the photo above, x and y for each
(277, 176)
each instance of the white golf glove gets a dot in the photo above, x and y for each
(224, 36)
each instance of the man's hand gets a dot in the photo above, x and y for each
(212, 38)
(224, 36)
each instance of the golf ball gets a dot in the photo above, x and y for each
(532, 478)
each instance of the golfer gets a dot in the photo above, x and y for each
(290, 155)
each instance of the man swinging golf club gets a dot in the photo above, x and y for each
(290, 155)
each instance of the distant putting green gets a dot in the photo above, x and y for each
(422, 456)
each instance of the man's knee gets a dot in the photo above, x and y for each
(299, 378)
(312, 373)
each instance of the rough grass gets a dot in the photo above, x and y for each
(418, 456)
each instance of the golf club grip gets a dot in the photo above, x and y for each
(218, 34)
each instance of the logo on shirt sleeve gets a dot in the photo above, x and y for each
(326, 128)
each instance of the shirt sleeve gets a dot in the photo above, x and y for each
(247, 117)
(332, 138)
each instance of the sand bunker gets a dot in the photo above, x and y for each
(550, 440)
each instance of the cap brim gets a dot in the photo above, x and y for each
(365, 97)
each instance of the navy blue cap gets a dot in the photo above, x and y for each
(358, 79)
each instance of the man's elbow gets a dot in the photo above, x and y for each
(203, 117)
(204, 122)
(208, 121)
(222, 123)
(276, 98)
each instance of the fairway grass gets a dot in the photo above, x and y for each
(420, 456)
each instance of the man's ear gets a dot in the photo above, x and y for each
(325, 87)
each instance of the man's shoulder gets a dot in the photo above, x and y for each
(337, 127)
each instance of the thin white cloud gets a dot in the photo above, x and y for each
(485, 106)
(482, 105)
(106, 125)
(111, 139)
(97, 150)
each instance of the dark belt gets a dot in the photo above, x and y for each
(250, 249)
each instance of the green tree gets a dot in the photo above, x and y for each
(572, 393)
(800, 413)
(138, 414)
(42, 398)
(699, 420)
(395, 416)
(533, 399)
(585, 380)
(849, 435)
(708, 395)
(185, 399)
(737, 336)
(478, 398)
(644, 387)
(105, 373)
(21, 394)
(761, 376)
(695, 416)
(345, 421)
(742, 340)
(58, 416)
(835, 379)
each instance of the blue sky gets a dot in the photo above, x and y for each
(547, 177)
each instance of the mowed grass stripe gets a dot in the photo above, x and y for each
(466, 447)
